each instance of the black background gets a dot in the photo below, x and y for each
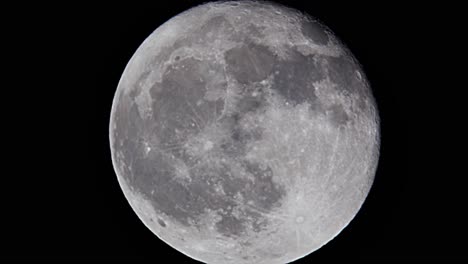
(60, 195)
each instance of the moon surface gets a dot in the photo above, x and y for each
(244, 132)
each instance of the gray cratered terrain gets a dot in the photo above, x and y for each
(244, 132)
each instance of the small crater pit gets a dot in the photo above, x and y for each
(161, 222)
(300, 219)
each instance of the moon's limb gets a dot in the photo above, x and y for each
(244, 132)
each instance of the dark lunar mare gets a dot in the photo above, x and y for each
(294, 77)
(315, 32)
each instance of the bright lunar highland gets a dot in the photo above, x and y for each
(244, 132)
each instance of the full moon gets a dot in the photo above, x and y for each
(244, 132)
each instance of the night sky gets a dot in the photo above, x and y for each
(61, 199)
